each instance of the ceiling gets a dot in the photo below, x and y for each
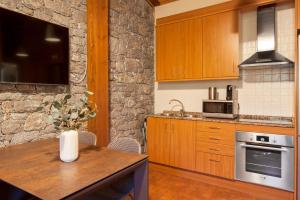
(159, 2)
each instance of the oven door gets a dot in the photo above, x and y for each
(265, 165)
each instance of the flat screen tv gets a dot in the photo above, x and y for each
(32, 50)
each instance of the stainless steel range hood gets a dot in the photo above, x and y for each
(266, 54)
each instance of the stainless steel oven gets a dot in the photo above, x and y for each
(219, 108)
(265, 159)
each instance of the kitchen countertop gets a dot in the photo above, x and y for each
(277, 121)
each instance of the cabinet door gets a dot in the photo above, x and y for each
(158, 140)
(221, 46)
(183, 144)
(215, 164)
(179, 51)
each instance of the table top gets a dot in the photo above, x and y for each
(36, 168)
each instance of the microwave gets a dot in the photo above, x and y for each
(220, 109)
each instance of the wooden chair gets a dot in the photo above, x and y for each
(125, 144)
(86, 137)
(123, 186)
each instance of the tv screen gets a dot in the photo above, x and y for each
(32, 50)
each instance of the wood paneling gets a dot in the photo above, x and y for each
(221, 45)
(97, 33)
(179, 51)
(297, 6)
(183, 144)
(262, 192)
(211, 10)
(159, 140)
(36, 168)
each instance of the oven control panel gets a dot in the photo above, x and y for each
(260, 138)
(265, 138)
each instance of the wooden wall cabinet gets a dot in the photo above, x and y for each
(199, 48)
(179, 51)
(221, 45)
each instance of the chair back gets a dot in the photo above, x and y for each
(125, 144)
(86, 137)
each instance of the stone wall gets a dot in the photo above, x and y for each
(131, 66)
(19, 122)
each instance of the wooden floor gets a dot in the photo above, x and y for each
(169, 187)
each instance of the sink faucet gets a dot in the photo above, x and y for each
(182, 111)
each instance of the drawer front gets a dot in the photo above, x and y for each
(215, 127)
(224, 137)
(216, 165)
(215, 148)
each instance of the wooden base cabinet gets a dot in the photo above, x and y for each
(215, 148)
(183, 144)
(214, 164)
(206, 147)
(159, 140)
(171, 142)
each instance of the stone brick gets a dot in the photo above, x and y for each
(132, 65)
(26, 106)
(23, 137)
(7, 106)
(43, 13)
(35, 121)
(33, 4)
(11, 126)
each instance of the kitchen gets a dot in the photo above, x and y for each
(227, 116)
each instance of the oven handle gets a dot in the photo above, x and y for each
(267, 148)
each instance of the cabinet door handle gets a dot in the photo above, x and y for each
(213, 149)
(215, 128)
(211, 138)
(212, 160)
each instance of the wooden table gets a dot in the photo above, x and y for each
(36, 168)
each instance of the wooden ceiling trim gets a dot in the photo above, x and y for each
(223, 7)
(159, 2)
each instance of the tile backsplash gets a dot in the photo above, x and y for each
(267, 92)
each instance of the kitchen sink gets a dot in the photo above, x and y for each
(178, 114)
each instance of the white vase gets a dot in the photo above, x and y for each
(68, 146)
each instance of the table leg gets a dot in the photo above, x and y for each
(141, 182)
